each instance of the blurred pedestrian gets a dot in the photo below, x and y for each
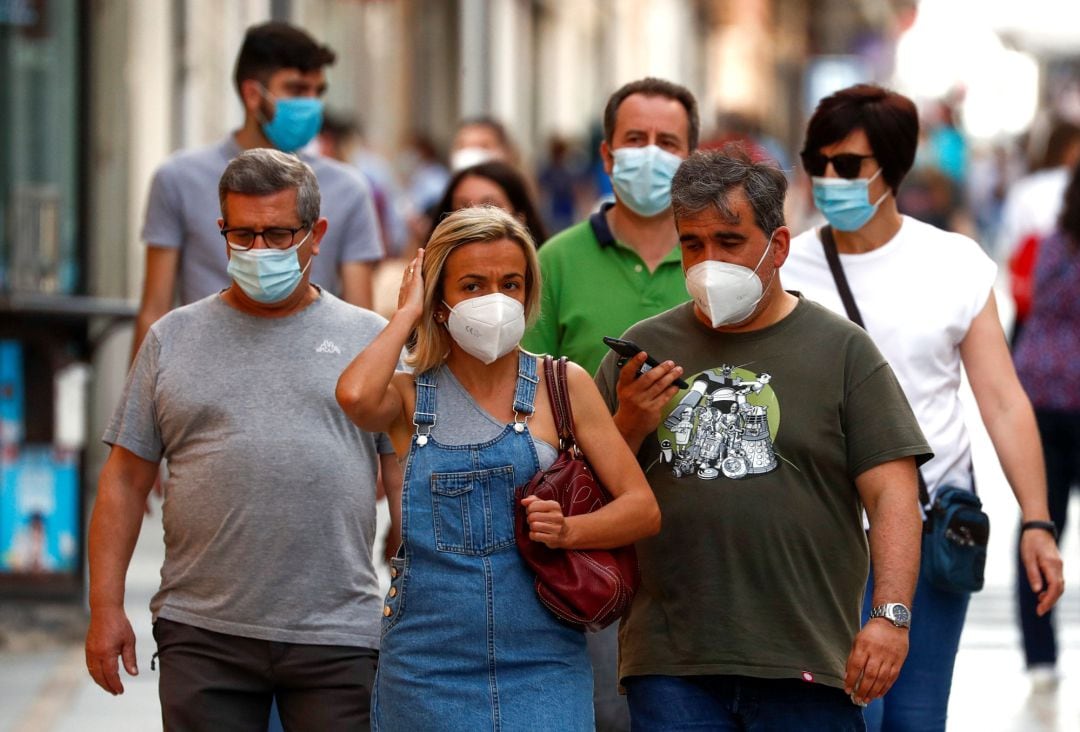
(342, 138)
(270, 505)
(620, 266)
(748, 612)
(280, 80)
(561, 180)
(494, 183)
(1047, 356)
(478, 140)
(1030, 213)
(466, 642)
(926, 298)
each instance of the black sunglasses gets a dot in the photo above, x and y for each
(846, 165)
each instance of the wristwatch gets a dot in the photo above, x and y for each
(896, 613)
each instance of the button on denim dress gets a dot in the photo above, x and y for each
(466, 643)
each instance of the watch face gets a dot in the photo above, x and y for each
(900, 615)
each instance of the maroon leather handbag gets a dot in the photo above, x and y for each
(587, 588)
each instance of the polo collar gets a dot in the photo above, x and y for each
(604, 237)
(600, 228)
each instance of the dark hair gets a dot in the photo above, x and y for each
(339, 124)
(276, 45)
(653, 87)
(709, 177)
(511, 182)
(1069, 222)
(1063, 136)
(889, 119)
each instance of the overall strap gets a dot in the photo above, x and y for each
(525, 393)
(424, 414)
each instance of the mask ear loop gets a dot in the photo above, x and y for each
(771, 278)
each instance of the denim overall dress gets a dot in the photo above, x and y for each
(466, 643)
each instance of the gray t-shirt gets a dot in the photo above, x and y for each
(269, 510)
(183, 209)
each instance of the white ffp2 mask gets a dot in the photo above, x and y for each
(726, 293)
(487, 327)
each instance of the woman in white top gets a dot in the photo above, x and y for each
(925, 297)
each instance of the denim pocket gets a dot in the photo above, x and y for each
(473, 511)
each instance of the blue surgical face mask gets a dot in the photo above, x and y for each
(267, 275)
(642, 177)
(845, 203)
(296, 122)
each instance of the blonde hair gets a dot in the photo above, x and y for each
(466, 226)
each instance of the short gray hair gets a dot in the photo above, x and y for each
(263, 170)
(708, 178)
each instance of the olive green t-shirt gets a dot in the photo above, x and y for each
(760, 566)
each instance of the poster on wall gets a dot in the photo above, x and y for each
(39, 511)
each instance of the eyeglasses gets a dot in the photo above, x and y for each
(278, 237)
(846, 165)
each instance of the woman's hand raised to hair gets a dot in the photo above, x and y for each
(411, 294)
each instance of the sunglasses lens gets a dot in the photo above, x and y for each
(847, 165)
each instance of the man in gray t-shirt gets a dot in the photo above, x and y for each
(268, 588)
(279, 79)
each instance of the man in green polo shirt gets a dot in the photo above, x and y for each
(621, 265)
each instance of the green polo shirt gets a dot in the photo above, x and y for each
(594, 286)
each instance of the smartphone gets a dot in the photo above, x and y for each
(629, 349)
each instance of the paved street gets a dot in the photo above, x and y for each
(50, 691)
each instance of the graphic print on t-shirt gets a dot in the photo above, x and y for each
(723, 425)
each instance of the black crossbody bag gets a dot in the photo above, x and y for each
(956, 530)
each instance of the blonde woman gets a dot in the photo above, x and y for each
(466, 643)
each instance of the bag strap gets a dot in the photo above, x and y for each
(842, 287)
(828, 242)
(559, 396)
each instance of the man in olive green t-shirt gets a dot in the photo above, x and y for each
(793, 423)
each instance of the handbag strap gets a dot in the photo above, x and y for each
(828, 242)
(559, 395)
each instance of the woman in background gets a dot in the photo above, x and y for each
(1047, 356)
(493, 183)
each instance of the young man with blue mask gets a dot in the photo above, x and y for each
(926, 298)
(792, 422)
(280, 80)
(620, 266)
(268, 591)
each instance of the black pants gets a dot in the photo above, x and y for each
(1060, 432)
(214, 681)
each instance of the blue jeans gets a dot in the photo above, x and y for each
(919, 700)
(1060, 435)
(718, 703)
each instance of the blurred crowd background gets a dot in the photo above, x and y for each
(97, 93)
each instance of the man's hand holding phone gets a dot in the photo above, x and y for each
(642, 397)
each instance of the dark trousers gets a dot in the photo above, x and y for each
(214, 681)
(1060, 432)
